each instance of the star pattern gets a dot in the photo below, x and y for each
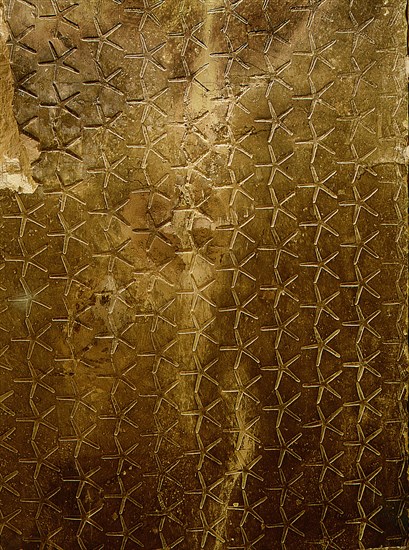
(203, 302)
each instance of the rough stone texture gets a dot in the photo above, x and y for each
(16, 151)
(203, 301)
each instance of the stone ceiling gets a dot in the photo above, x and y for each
(203, 274)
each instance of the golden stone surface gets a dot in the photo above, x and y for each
(203, 274)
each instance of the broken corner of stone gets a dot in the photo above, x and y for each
(17, 151)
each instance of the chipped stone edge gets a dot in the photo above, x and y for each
(15, 161)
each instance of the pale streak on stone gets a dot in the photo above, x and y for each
(15, 165)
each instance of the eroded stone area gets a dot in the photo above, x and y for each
(16, 151)
(203, 300)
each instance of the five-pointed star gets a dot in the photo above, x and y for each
(323, 345)
(276, 121)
